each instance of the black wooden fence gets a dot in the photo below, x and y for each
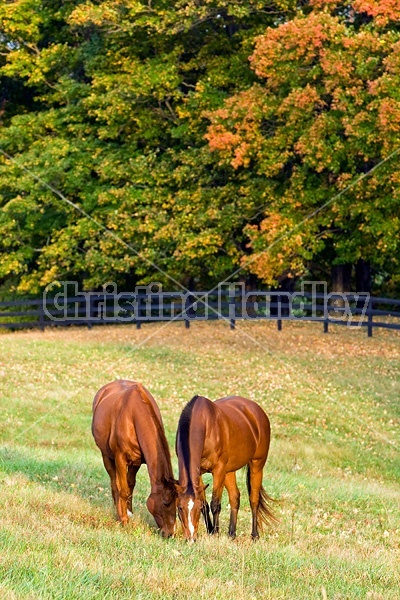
(353, 310)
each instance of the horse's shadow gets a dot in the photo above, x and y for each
(86, 478)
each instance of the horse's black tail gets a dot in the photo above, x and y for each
(265, 514)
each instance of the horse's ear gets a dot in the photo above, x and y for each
(178, 488)
(170, 481)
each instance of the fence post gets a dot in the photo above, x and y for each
(279, 323)
(326, 324)
(41, 316)
(138, 323)
(188, 310)
(91, 312)
(370, 315)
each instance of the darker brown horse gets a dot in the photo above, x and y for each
(221, 437)
(128, 429)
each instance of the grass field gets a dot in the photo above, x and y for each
(333, 402)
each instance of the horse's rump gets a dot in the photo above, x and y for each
(118, 408)
(247, 431)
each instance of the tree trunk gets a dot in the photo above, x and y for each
(341, 278)
(363, 276)
(363, 279)
(341, 283)
(285, 285)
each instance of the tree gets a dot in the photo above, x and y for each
(324, 112)
(110, 112)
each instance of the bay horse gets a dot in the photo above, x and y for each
(221, 437)
(128, 429)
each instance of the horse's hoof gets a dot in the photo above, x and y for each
(255, 538)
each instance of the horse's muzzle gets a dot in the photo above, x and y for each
(166, 535)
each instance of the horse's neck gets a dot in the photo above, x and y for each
(191, 455)
(160, 468)
(156, 455)
(151, 437)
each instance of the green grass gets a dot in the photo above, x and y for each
(333, 402)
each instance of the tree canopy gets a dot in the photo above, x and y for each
(322, 126)
(197, 134)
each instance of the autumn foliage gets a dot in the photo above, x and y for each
(205, 136)
(325, 112)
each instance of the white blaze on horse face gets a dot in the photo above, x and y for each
(190, 523)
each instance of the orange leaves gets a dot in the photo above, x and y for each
(337, 66)
(242, 155)
(301, 100)
(313, 66)
(392, 62)
(325, 3)
(274, 225)
(298, 40)
(388, 121)
(383, 11)
(235, 128)
(327, 110)
(221, 139)
(389, 114)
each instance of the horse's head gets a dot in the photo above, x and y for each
(189, 507)
(162, 505)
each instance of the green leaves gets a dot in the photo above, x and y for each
(110, 103)
(116, 122)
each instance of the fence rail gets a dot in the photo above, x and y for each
(353, 310)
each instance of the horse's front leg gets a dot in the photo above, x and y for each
(218, 488)
(234, 501)
(205, 509)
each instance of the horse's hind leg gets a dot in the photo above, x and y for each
(132, 471)
(109, 465)
(254, 482)
(122, 488)
(234, 501)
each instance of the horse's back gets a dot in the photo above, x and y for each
(237, 407)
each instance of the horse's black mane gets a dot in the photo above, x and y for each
(183, 432)
(186, 416)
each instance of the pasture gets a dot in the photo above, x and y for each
(333, 403)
